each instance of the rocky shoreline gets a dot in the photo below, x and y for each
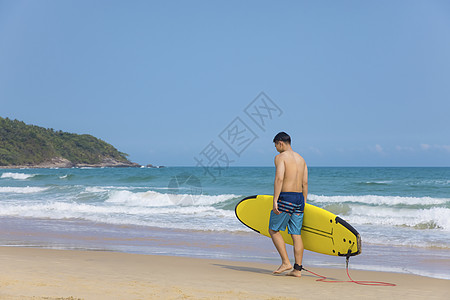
(60, 162)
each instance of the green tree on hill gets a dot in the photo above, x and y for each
(22, 144)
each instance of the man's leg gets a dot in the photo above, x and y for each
(298, 253)
(281, 248)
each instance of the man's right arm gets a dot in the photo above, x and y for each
(278, 184)
(305, 183)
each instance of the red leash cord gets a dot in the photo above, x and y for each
(372, 283)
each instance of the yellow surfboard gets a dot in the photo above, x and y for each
(322, 231)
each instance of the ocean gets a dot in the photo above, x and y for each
(402, 214)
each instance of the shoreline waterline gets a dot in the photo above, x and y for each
(236, 246)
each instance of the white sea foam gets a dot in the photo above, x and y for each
(379, 182)
(148, 208)
(379, 200)
(19, 176)
(155, 199)
(22, 190)
(95, 189)
(148, 198)
(196, 218)
(403, 236)
(432, 218)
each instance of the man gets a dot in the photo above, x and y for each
(289, 198)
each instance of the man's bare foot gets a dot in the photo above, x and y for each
(295, 273)
(283, 268)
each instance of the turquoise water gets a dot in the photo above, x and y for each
(407, 208)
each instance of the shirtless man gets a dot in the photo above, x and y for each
(289, 198)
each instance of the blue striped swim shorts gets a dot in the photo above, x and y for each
(291, 205)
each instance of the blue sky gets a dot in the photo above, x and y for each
(356, 83)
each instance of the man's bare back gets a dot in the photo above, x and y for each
(291, 172)
(294, 169)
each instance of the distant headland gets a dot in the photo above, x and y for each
(30, 146)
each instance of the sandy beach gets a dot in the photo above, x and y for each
(31, 273)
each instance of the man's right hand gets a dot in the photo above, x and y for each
(275, 209)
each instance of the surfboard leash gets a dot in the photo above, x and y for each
(361, 282)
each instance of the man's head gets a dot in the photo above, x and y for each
(282, 141)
